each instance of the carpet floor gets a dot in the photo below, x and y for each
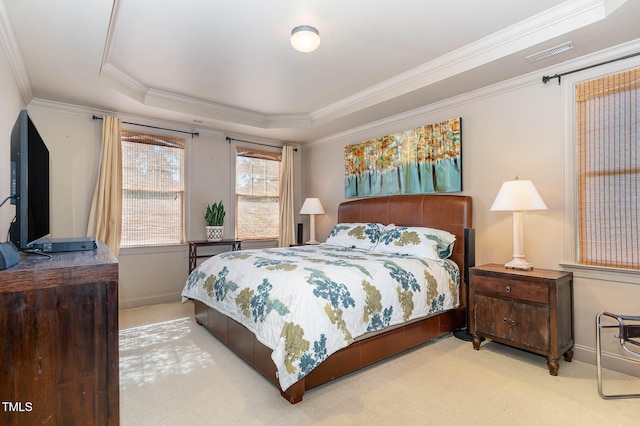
(173, 372)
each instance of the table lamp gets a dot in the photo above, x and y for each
(518, 196)
(312, 207)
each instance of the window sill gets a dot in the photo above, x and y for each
(256, 244)
(172, 248)
(622, 275)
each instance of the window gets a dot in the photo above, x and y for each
(608, 172)
(152, 189)
(257, 200)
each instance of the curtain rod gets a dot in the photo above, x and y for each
(546, 78)
(255, 143)
(193, 134)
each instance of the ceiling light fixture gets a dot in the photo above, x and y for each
(305, 38)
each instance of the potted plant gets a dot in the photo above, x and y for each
(214, 220)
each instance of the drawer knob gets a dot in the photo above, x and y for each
(508, 289)
(513, 323)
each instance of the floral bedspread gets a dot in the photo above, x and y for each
(308, 302)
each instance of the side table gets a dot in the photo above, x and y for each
(193, 249)
(530, 310)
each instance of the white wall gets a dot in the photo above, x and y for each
(72, 138)
(147, 275)
(10, 107)
(505, 134)
(516, 128)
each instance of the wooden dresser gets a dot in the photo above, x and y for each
(59, 339)
(531, 310)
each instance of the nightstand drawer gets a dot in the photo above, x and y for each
(531, 292)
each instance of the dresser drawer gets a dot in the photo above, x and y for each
(529, 291)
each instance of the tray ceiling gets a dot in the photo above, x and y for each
(228, 65)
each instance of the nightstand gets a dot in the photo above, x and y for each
(530, 310)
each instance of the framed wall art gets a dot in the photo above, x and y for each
(418, 161)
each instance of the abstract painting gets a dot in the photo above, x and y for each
(418, 161)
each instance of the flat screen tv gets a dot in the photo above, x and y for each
(29, 183)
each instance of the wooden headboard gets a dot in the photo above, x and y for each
(452, 213)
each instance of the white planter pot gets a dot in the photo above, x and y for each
(214, 233)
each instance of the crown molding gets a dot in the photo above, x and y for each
(546, 25)
(202, 108)
(12, 50)
(404, 120)
(399, 121)
(568, 16)
(90, 112)
(127, 85)
(216, 111)
(122, 82)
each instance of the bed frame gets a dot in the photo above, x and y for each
(449, 212)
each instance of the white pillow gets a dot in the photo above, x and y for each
(355, 235)
(416, 241)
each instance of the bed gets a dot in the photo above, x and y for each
(303, 353)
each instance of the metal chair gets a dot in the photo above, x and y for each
(627, 334)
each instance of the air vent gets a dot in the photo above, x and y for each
(550, 52)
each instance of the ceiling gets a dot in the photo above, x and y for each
(228, 65)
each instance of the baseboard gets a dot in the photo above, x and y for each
(146, 301)
(611, 361)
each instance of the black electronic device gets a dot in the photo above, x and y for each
(470, 250)
(29, 183)
(55, 245)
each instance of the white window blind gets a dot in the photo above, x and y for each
(608, 177)
(152, 189)
(257, 197)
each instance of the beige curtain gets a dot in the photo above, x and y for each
(287, 225)
(105, 218)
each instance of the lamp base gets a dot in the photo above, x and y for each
(312, 241)
(519, 263)
(463, 334)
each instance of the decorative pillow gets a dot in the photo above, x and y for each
(355, 235)
(416, 241)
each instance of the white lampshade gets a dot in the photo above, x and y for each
(518, 195)
(305, 38)
(312, 206)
